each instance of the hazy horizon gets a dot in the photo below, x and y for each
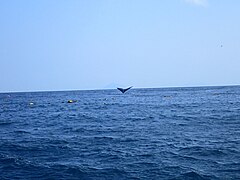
(115, 88)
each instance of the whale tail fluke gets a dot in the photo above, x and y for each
(124, 90)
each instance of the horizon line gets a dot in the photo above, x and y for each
(101, 89)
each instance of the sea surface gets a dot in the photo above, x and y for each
(167, 133)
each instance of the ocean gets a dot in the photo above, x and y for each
(165, 133)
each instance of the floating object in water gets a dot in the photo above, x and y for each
(31, 103)
(72, 101)
(124, 90)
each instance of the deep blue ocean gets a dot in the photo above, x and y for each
(167, 133)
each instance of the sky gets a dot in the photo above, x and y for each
(51, 45)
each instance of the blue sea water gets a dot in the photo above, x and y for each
(168, 133)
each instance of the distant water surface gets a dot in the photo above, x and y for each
(170, 133)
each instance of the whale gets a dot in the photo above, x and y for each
(124, 90)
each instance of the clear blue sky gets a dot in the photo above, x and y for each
(93, 44)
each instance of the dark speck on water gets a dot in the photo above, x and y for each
(170, 133)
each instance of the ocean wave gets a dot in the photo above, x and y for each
(21, 132)
(193, 176)
(6, 123)
(14, 167)
(202, 152)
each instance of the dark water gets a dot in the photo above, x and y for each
(176, 133)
